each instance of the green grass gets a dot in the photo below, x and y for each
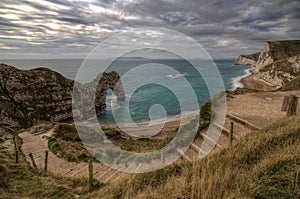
(129, 143)
(205, 116)
(67, 144)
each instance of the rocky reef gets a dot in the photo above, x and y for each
(31, 96)
(276, 65)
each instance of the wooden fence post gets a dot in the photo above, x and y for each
(285, 103)
(231, 133)
(17, 156)
(32, 160)
(15, 140)
(292, 106)
(46, 162)
(90, 173)
(162, 156)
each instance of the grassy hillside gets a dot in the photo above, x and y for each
(292, 85)
(283, 49)
(67, 144)
(21, 181)
(264, 164)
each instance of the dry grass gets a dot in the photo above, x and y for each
(21, 181)
(264, 164)
(292, 85)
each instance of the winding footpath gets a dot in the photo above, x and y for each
(250, 111)
(37, 144)
(247, 112)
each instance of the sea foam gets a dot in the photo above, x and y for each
(236, 81)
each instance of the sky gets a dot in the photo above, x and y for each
(40, 29)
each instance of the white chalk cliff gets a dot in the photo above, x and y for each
(277, 64)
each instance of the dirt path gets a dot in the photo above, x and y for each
(37, 144)
(260, 109)
(257, 109)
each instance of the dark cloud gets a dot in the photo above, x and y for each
(224, 28)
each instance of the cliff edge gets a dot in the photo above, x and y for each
(247, 60)
(28, 97)
(277, 64)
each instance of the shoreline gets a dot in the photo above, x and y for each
(237, 82)
(143, 128)
(175, 119)
(150, 130)
(245, 80)
(172, 118)
(253, 82)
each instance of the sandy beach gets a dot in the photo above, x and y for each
(248, 106)
(156, 130)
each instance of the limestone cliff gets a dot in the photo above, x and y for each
(85, 95)
(279, 73)
(274, 51)
(277, 64)
(31, 96)
(247, 60)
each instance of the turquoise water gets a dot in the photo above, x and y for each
(141, 98)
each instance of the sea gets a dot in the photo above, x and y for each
(148, 96)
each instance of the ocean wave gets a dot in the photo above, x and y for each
(163, 120)
(172, 76)
(112, 107)
(112, 103)
(236, 81)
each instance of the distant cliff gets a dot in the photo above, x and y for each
(277, 64)
(31, 96)
(247, 60)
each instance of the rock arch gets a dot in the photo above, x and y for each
(108, 80)
(30, 96)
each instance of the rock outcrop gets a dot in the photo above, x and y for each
(94, 93)
(274, 51)
(277, 64)
(247, 60)
(31, 96)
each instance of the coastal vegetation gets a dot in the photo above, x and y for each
(22, 181)
(292, 85)
(263, 164)
(66, 143)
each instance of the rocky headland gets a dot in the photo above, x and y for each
(276, 66)
(28, 97)
(39, 95)
(247, 60)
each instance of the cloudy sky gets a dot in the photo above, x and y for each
(72, 28)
